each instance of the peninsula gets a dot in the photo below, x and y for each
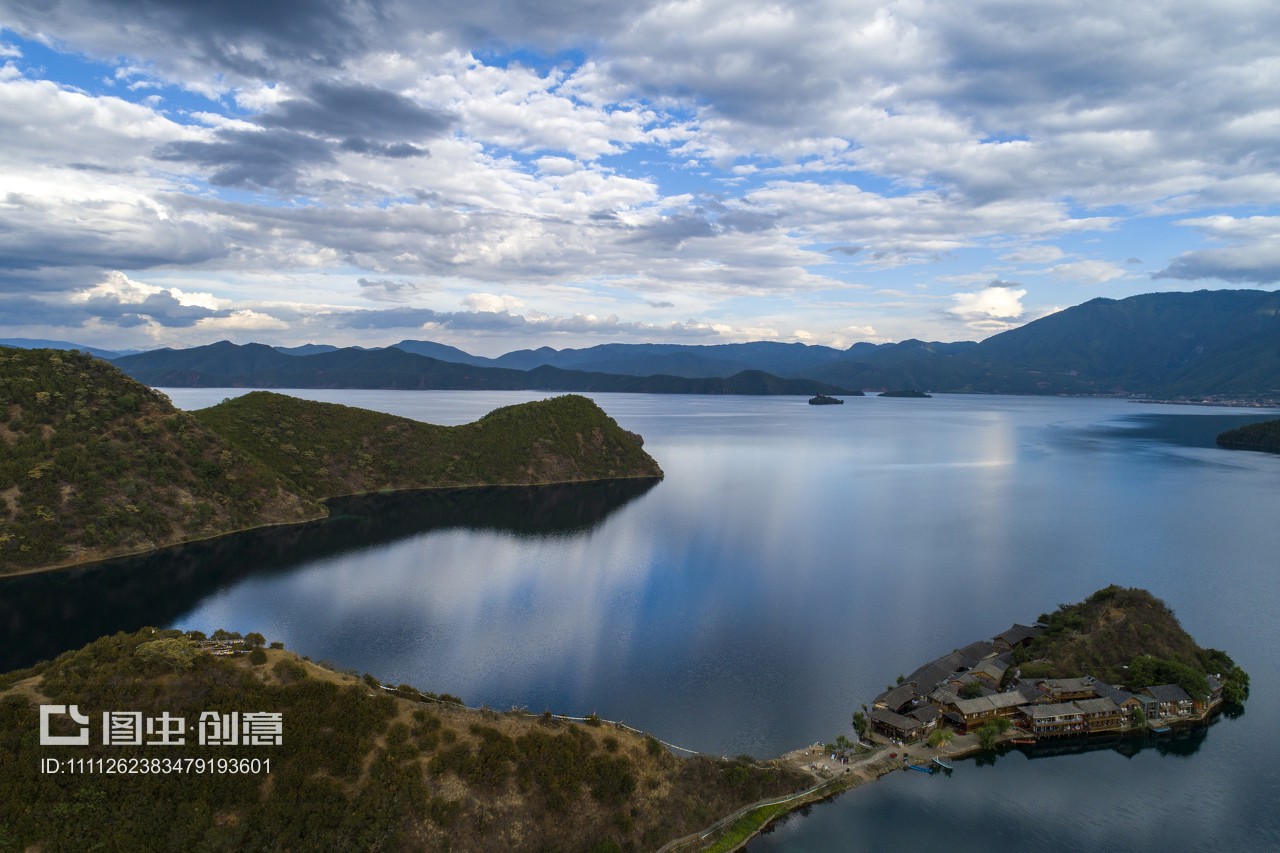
(376, 765)
(338, 761)
(1263, 436)
(97, 465)
(1116, 663)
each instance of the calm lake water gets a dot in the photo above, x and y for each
(792, 563)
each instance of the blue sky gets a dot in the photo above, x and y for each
(495, 176)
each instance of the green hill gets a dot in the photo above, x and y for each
(328, 449)
(1128, 637)
(95, 464)
(358, 767)
(1206, 342)
(1263, 436)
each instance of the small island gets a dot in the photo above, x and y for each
(908, 393)
(1264, 436)
(97, 465)
(824, 400)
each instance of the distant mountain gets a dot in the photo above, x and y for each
(189, 367)
(306, 349)
(228, 365)
(693, 361)
(34, 343)
(1219, 342)
(1210, 343)
(444, 352)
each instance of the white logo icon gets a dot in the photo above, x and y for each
(46, 739)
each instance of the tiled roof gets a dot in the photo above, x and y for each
(1168, 693)
(1058, 709)
(1097, 706)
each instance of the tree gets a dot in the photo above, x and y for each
(254, 640)
(971, 690)
(861, 724)
(941, 737)
(990, 730)
(1235, 686)
(171, 652)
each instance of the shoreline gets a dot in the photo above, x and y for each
(92, 561)
(735, 831)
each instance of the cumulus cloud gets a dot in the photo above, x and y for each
(1252, 257)
(339, 109)
(994, 308)
(241, 319)
(492, 302)
(615, 155)
(508, 323)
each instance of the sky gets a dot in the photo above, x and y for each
(498, 175)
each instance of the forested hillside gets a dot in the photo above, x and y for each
(95, 464)
(328, 449)
(358, 767)
(1128, 637)
(1263, 436)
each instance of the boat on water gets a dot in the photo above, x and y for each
(1024, 741)
(922, 768)
(944, 765)
(1161, 729)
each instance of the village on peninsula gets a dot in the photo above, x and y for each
(1116, 663)
(979, 683)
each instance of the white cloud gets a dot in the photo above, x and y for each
(1041, 254)
(723, 157)
(990, 303)
(241, 320)
(492, 302)
(1252, 254)
(1093, 272)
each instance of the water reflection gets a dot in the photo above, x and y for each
(1183, 742)
(44, 614)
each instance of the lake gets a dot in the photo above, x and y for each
(794, 561)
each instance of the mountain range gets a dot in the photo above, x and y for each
(1209, 343)
(228, 365)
